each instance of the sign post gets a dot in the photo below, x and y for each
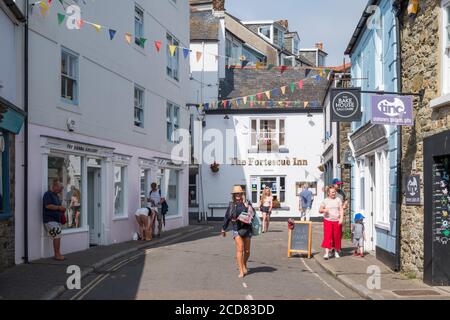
(346, 105)
(300, 238)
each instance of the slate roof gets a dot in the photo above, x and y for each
(204, 26)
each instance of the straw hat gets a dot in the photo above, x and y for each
(237, 189)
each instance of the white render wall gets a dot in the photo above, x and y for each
(303, 139)
(108, 71)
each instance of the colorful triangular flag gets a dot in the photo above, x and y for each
(112, 33)
(306, 103)
(128, 37)
(300, 84)
(270, 66)
(81, 23)
(142, 41)
(283, 69)
(259, 96)
(245, 100)
(268, 94)
(158, 45)
(283, 90)
(61, 18)
(97, 27)
(199, 56)
(172, 49)
(276, 92)
(186, 52)
(292, 85)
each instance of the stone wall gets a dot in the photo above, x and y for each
(344, 129)
(420, 70)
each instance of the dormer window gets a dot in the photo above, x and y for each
(265, 31)
(278, 37)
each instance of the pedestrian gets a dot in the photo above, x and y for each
(142, 218)
(239, 209)
(358, 235)
(306, 201)
(333, 212)
(53, 218)
(337, 183)
(266, 204)
(75, 206)
(155, 200)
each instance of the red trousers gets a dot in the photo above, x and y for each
(332, 235)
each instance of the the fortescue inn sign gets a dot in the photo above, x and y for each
(268, 163)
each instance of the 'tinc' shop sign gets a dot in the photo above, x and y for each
(346, 105)
(392, 110)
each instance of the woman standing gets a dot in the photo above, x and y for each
(75, 205)
(333, 212)
(266, 204)
(242, 232)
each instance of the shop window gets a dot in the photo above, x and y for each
(4, 178)
(276, 184)
(173, 62)
(119, 191)
(67, 169)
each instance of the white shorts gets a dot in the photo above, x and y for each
(54, 229)
(142, 212)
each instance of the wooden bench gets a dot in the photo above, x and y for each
(213, 206)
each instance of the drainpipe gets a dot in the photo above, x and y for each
(399, 147)
(25, 160)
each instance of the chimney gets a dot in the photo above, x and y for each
(319, 45)
(218, 5)
(284, 23)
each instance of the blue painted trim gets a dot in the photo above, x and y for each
(6, 214)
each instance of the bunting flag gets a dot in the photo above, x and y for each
(61, 18)
(244, 63)
(245, 100)
(321, 73)
(260, 65)
(186, 52)
(283, 69)
(112, 33)
(300, 84)
(142, 41)
(172, 49)
(158, 45)
(97, 27)
(44, 8)
(238, 102)
(80, 23)
(259, 96)
(306, 104)
(283, 90)
(268, 94)
(292, 85)
(270, 67)
(199, 56)
(275, 92)
(318, 78)
(307, 71)
(128, 37)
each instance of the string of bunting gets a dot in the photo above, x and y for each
(241, 62)
(265, 98)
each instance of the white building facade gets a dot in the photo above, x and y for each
(281, 151)
(103, 119)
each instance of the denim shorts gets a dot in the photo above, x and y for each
(249, 234)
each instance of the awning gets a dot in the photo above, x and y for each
(11, 117)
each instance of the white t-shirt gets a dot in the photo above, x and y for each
(333, 206)
(156, 199)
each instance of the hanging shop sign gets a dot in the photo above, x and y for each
(346, 105)
(392, 110)
(412, 197)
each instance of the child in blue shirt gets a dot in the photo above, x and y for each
(358, 235)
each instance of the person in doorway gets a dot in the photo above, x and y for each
(142, 218)
(306, 201)
(156, 200)
(358, 235)
(242, 232)
(266, 204)
(75, 206)
(333, 212)
(52, 217)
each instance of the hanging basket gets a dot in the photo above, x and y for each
(215, 167)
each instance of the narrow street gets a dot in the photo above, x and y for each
(202, 267)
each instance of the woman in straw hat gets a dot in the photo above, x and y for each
(242, 232)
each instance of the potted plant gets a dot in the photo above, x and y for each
(215, 167)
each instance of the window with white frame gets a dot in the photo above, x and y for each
(382, 187)
(138, 26)
(173, 122)
(295, 46)
(120, 190)
(173, 61)
(446, 46)
(69, 76)
(138, 107)
(289, 61)
(278, 37)
(145, 186)
(268, 135)
(265, 31)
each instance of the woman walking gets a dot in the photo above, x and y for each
(142, 218)
(333, 212)
(242, 232)
(266, 204)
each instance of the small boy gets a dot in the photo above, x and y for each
(358, 235)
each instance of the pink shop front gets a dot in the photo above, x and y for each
(111, 180)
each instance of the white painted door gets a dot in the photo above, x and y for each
(94, 205)
(369, 223)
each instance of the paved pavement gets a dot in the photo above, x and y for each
(202, 267)
(358, 274)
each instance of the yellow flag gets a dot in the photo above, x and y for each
(321, 73)
(44, 7)
(268, 94)
(283, 90)
(128, 37)
(172, 50)
(97, 27)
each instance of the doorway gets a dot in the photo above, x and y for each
(369, 224)
(94, 205)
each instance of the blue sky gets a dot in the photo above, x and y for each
(329, 21)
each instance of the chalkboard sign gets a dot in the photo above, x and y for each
(300, 238)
